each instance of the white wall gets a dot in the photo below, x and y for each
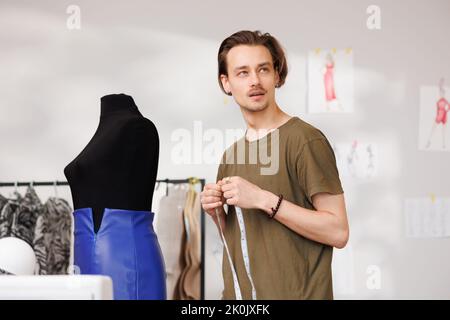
(164, 55)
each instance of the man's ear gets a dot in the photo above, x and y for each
(225, 84)
(277, 79)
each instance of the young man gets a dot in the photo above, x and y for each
(293, 217)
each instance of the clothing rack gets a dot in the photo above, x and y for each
(191, 180)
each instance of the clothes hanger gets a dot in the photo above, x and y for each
(30, 186)
(55, 189)
(15, 192)
(192, 182)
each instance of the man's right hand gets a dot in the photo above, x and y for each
(211, 198)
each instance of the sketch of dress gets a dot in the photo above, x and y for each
(442, 107)
(352, 159)
(329, 83)
(328, 79)
(441, 110)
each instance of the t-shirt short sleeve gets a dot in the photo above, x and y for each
(316, 169)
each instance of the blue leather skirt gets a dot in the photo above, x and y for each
(125, 248)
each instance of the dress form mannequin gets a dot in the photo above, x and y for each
(112, 182)
(118, 167)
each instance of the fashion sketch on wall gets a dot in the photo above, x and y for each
(356, 159)
(434, 107)
(330, 81)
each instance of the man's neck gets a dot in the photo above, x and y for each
(265, 120)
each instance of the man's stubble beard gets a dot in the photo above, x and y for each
(256, 108)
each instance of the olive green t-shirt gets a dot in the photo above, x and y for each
(283, 264)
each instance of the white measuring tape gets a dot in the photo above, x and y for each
(237, 288)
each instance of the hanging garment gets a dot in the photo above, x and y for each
(3, 202)
(125, 248)
(170, 232)
(45, 227)
(18, 216)
(188, 286)
(193, 272)
(7, 215)
(52, 237)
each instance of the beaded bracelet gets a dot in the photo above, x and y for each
(275, 210)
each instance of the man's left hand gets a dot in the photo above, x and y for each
(240, 192)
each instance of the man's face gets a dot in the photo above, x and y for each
(251, 77)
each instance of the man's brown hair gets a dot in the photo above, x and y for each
(253, 38)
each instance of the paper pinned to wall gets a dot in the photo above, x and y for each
(356, 159)
(427, 217)
(434, 109)
(330, 81)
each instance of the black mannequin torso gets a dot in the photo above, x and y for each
(118, 167)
